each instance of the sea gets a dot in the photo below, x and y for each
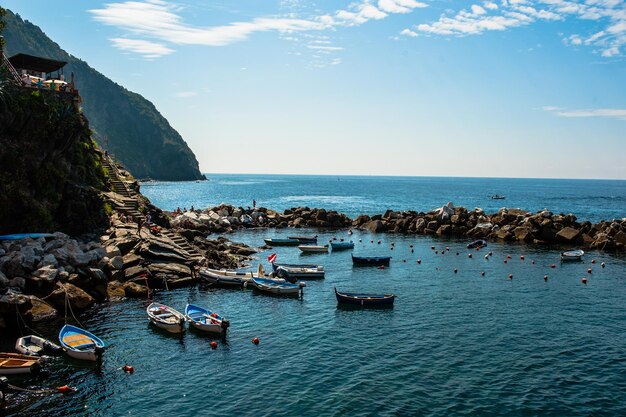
(514, 333)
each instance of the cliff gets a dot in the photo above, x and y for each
(138, 135)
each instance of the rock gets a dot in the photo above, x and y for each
(169, 269)
(115, 290)
(568, 235)
(444, 230)
(40, 310)
(46, 273)
(131, 260)
(134, 290)
(112, 251)
(11, 299)
(620, 237)
(116, 263)
(49, 260)
(18, 282)
(4, 281)
(96, 274)
(134, 271)
(523, 234)
(53, 244)
(78, 298)
(374, 226)
(420, 225)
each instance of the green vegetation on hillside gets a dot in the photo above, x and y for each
(138, 135)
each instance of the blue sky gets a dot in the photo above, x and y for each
(390, 87)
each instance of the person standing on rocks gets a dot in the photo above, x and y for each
(139, 224)
(254, 204)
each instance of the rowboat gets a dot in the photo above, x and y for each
(166, 318)
(304, 239)
(497, 197)
(298, 271)
(341, 245)
(572, 255)
(36, 346)
(313, 248)
(229, 278)
(371, 260)
(276, 287)
(364, 299)
(282, 242)
(81, 344)
(205, 320)
(16, 364)
(477, 244)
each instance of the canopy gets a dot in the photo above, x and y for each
(35, 63)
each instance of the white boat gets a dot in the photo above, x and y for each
(166, 318)
(277, 287)
(572, 255)
(16, 364)
(230, 278)
(205, 320)
(81, 344)
(36, 346)
(296, 272)
(313, 248)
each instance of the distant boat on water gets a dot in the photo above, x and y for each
(572, 255)
(363, 299)
(371, 260)
(497, 197)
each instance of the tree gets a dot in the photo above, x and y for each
(2, 14)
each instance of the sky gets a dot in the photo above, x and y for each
(511, 88)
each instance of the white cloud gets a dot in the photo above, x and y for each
(619, 114)
(399, 6)
(409, 32)
(325, 47)
(477, 10)
(186, 94)
(149, 50)
(490, 5)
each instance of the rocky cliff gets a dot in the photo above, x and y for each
(138, 135)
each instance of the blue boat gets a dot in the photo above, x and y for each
(363, 299)
(341, 245)
(81, 344)
(371, 260)
(205, 320)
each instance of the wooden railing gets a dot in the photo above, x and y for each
(12, 70)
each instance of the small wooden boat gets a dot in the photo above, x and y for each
(364, 299)
(282, 242)
(166, 318)
(229, 278)
(16, 364)
(36, 346)
(276, 287)
(296, 272)
(341, 245)
(497, 197)
(313, 248)
(572, 255)
(304, 239)
(371, 260)
(477, 244)
(205, 320)
(81, 344)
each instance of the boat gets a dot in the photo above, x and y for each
(36, 346)
(226, 278)
(81, 344)
(313, 248)
(282, 242)
(371, 260)
(276, 287)
(341, 245)
(497, 197)
(477, 244)
(205, 320)
(364, 299)
(16, 364)
(296, 272)
(572, 255)
(304, 239)
(166, 318)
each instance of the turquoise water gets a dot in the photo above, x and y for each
(454, 343)
(592, 200)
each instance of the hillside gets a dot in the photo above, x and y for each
(138, 135)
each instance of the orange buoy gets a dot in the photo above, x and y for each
(482, 273)
(545, 278)
(602, 264)
(593, 261)
(584, 280)
(419, 261)
(214, 345)
(456, 270)
(255, 340)
(128, 369)
(469, 255)
(65, 389)
(553, 266)
(521, 257)
(589, 270)
(510, 276)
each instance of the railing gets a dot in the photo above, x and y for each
(11, 69)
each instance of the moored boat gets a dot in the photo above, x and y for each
(166, 318)
(371, 260)
(296, 272)
(304, 239)
(276, 287)
(80, 343)
(341, 245)
(572, 255)
(226, 278)
(282, 242)
(313, 248)
(17, 364)
(36, 346)
(364, 299)
(205, 320)
(497, 197)
(477, 244)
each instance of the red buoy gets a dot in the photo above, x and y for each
(505, 261)
(482, 273)
(65, 389)
(256, 340)
(584, 280)
(545, 278)
(510, 276)
(521, 257)
(490, 253)
(432, 247)
(508, 256)
(553, 266)
(456, 270)
(419, 261)
(532, 262)
(214, 345)
(589, 270)
(381, 267)
(128, 369)
(469, 255)
(602, 264)
(593, 261)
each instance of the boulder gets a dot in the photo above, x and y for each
(374, 226)
(620, 237)
(134, 272)
(18, 282)
(39, 310)
(11, 299)
(4, 281)
(134, 290)
(116, 263)
(568, 235)
(112, 251)
(444, 230)
(169, 269)
(115, 290)
(49, 259)
(46, 273)
(523, 234)
(78, 299)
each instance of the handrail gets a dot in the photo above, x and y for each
(11, 69)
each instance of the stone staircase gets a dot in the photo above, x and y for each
(181, 242)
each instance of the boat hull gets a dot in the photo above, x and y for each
(313, 248)
(339, 246)
(371, 261)
(572, 256)
(18, 364)
(198, 317)
(36, 346)
(358, 299)
(80, 344)
(282, 242)
(276, 288)
(166, 318)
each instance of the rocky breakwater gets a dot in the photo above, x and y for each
(507, 224)
(225, 218)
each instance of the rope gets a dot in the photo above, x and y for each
(33, 391)
(68, 304)
(20, 317)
